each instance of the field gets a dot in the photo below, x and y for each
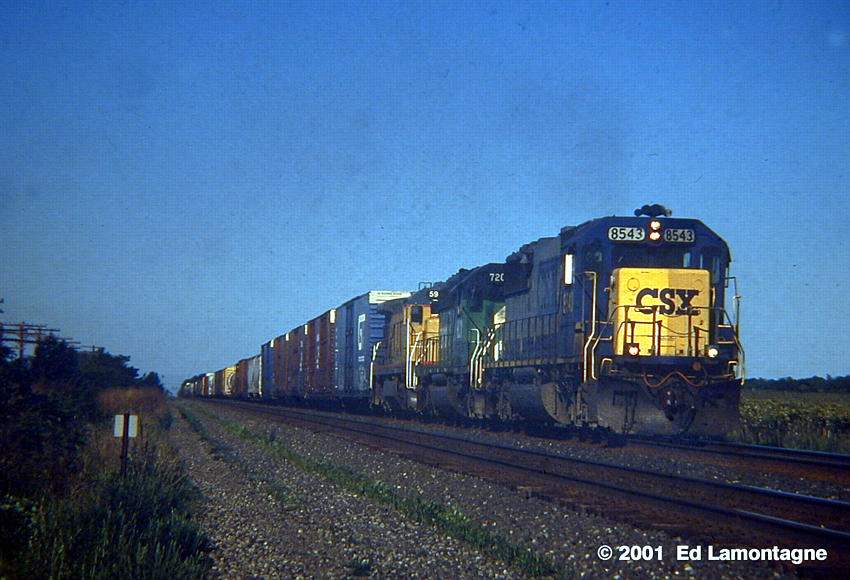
(819, 421)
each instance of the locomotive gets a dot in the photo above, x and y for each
(619, 323)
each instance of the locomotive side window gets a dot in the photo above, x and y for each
(416, 314)
(593, 257)
(716, 269)
(710, 260)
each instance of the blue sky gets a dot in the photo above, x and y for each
(181, 181)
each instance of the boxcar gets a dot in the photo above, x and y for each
(294, 369)
(359, 330)
(218, 384)
(229, 381)
(279, 355)
(320, 356)
(267, 370)
(254, 369)
(241, 382)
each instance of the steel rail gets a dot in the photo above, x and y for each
(825, 459)
(803, 498)
(822, 532)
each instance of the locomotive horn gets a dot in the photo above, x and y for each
(654, 210)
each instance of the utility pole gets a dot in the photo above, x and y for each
(21, 334)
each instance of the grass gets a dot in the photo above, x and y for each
(819, 421)
(449, 519)
(136, 526)
(282, 494)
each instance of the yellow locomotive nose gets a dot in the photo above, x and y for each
(660, 311)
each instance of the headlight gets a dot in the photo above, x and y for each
(712, 351)
(655, 225)
(634, 350)
(654, 236)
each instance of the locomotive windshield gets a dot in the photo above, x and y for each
(660, 257)
(670, 257)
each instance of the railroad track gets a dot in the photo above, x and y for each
(723, 511)
(820, 459)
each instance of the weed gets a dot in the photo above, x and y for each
(136, 526)
(279, 492)
(448, 518)
(165, 421)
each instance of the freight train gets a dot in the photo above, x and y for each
(619, 323)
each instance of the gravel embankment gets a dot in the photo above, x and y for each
(269, 519)
(567, 537)
(663, 460)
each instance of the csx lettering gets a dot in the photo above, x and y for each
(668, 298)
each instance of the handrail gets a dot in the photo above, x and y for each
(375, 349)
(594, 276)
(478, 357)
(407, 352)
(599, 338)
(473, 357)
(742, 357)
(517, 336)
(593, 349)
(410, 377)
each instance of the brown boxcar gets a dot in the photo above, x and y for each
(279, 366)
(292, 384)
(241, 379)
(219, 384)
(320, 356)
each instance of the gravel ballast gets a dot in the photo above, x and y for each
(269, 519)
(675, 462)
(567, 537)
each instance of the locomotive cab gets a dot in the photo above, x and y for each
(663, 354)
(411, 340)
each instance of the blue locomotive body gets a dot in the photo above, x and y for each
(621, 322)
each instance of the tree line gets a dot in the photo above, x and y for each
(828, 384)
(47, 403)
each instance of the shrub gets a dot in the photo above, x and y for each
(137, 526)
(149, 400)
